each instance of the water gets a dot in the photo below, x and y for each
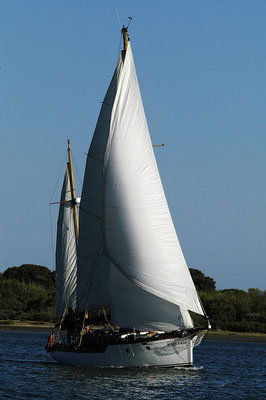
(223, 370)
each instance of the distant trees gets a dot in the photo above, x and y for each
(236, 310)
(202, 282)
(231, 309)
(29, 273)
(28, 293)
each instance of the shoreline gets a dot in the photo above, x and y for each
(46, 327)
(26, 326)
(230, 336)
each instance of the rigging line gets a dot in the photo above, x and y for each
(64, 313)
(52, 233)
(149, 109)
(89, 282)
(76, 168)
(84, 319)
(119, 21)
(88, 286)
(58, 178)
(205, 314)
(130, 19)
(95, 266)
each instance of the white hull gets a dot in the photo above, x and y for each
(159, 353)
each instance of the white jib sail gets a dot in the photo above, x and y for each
(129, 256)
(140, 237)
(66, 251)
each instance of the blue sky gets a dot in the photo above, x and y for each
(201, 69)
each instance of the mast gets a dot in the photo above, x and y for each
(125, 36)
(73, 192)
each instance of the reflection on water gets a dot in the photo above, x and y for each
(224, 370)
(123, 382)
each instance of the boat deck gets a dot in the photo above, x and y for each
(98, 341)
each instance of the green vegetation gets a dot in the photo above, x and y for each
(203, 283)
(231, 309)
(28, 293)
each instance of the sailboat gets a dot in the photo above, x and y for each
(131, 298)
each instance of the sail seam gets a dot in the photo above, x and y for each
(145, 287)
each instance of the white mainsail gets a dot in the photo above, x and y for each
(128, 247)
(93, 288)
(66, 250)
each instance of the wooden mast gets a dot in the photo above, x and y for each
(125, 37)
(73, 192)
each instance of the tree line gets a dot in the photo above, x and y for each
(231, 309)
(28, 293)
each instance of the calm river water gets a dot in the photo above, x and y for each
(223, 370)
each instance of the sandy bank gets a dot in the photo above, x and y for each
(28, 326)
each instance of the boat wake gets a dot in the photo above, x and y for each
(190, 369)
